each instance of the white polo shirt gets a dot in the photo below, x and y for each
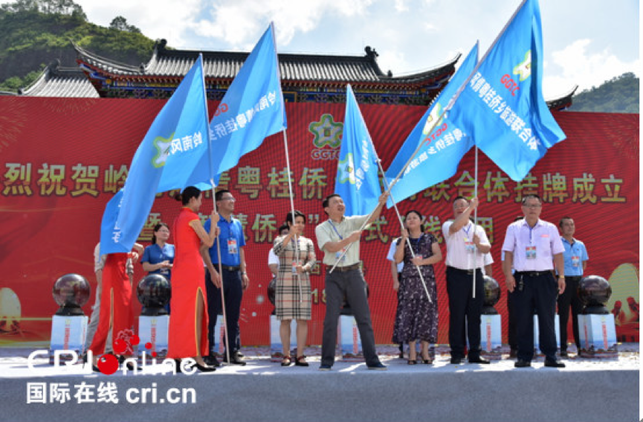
(533, 248)
(272, 258)
(460, 247)
(391, 255)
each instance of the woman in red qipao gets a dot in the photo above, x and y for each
(115, 306)
(188, 332)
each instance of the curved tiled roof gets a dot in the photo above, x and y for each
(57, 81)
(562, 103)
(294, 68)
(298, 71)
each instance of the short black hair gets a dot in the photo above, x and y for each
(458, 198)
(560, 223)
(531, 196)
(282, 228)
(219, 195)
(327, 199)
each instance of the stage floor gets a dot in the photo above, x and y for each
(587, 390)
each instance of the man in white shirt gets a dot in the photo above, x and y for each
(273, 260)
(533, 248)
(467, 244)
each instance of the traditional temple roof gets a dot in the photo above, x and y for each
(58, 81)
(564, 102)
(305, 77)
(166, 63)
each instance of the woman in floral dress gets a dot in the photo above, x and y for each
(417, 317)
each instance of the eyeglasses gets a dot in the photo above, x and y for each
(229, 198)
(532, 206)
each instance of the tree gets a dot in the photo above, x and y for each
(618, 95)
(120, 24)
(49, 7)
(30, 39)
(21, 6)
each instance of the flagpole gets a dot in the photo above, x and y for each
(419, 147)
(214, 206)
(361, 229)
(457, 95)
(437, 121)
(399, 218)
(475, 69)
(475, 220)
(349, 93)
(447, 108)
(225, 316)
(522, 3)
(292, 213)
(453, 100)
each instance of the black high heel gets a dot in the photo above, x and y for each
(301, 361)
(131, 366)
(286, 361)
(204, 368)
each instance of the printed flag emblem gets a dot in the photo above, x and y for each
(524, 68)
(346, 169)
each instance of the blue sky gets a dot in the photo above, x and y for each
(586, 41)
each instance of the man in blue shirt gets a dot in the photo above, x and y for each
(233, 277)
(575, 257)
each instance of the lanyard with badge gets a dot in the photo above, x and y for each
(341, 254)
(415, 245)
(468, 243)
(575, 257)
(232, 242)
(530, 250)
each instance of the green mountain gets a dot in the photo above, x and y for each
(618, 95)
(33, 33)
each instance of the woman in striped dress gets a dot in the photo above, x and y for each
(292, 293)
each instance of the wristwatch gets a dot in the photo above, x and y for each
(561, 276)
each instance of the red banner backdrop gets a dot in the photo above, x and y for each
(63, 159)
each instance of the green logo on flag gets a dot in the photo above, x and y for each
(162, 146)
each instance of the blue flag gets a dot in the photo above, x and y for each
(441, 148)
(174, 144)
(252, 109)
(357, 180)
(109, 223)
(502, 106)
